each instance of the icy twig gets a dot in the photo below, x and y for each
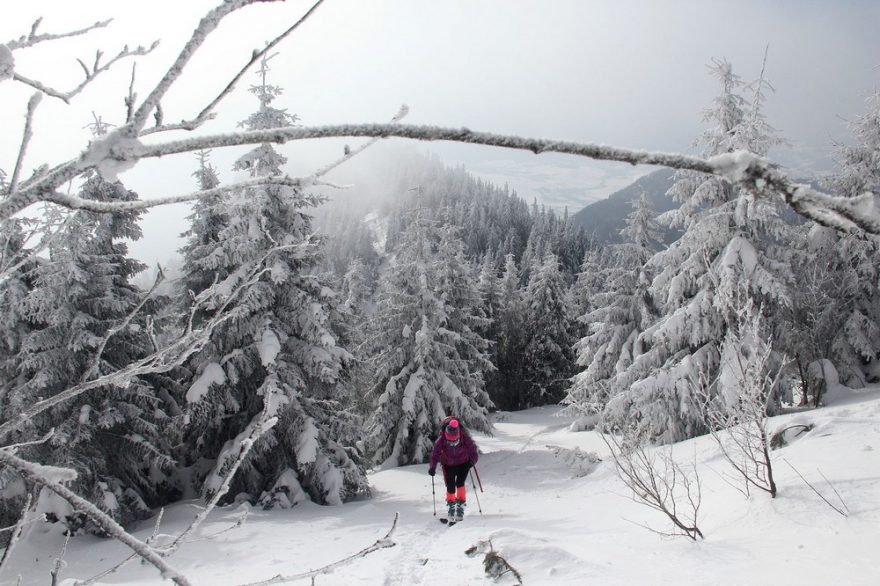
(381, 543)
(33, 38)
(207, 112)
(662, 485)
(26, 136)
(35, 473)
(94, 367)
(263, 425)
(91, 72)
(16, 532)
(840, 498)
(206, 26)
(42, 440)
(814, 489)
(59, 562)
(124, 562)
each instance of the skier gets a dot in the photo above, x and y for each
(457, 453)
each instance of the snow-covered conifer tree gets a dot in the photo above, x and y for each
(430, 360)
(621, 309)
(548, 357)
(277, 355)
(856, 257)
(732, 245)
(80, 295)
(508, 383)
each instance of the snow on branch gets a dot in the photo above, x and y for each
(381, 543)
(16, 532)
(91, 72)
(741, 167)
(206, 26)
(26, 136)
(33, 38)
(207, 112)
(38, 474)
(78, 203)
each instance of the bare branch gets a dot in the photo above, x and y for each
(814, 489)
(382, 543)
(104, 521)
(207, 112)
(26, 136)
(33, 38)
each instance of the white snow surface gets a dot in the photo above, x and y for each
(553, 523)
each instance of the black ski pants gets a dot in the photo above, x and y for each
(454, 476)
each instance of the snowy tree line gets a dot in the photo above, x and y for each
(259, 373)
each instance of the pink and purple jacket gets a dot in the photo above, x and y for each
(454, 455)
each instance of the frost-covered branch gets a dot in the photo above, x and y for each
(79, 203)
(207, 112)
(91, 72)
(59, 561)
(264, 424)
(33, 38)
(16, 532)
(94, 368)
(381, 543)
(206, 26)
(26, 136)
(47, 477)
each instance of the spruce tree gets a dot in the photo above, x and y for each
(548, 357)
(79, 296)
(732, 248)
(430, 361)
(277, 353)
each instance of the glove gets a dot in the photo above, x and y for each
(432, 471)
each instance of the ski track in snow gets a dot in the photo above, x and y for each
(408, 567)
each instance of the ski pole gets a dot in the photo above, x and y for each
(434, 496)
(477, 472)
(476, 494)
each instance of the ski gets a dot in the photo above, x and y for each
(447, 522)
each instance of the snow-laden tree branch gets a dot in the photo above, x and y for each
(749, 170)
(79, 203)
(26, 136)
(51, 479)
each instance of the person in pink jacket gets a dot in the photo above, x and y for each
(457, 453)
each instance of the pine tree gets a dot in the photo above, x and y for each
(430, 361)
(277, 354)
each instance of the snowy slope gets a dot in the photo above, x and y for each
(552, 525)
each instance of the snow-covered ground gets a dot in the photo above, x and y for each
(554, 521)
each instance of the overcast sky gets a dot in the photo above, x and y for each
(631, 73)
